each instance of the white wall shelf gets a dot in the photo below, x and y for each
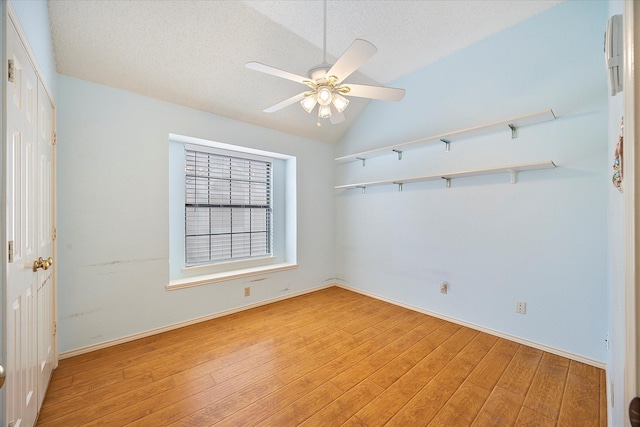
(511, 125)
(447, 177)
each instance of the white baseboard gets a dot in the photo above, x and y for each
(83, 350)
(519, 340)
(552, 350)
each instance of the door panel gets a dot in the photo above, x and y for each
(21, 281)
(45, 291)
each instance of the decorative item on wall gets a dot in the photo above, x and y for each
(617, 161)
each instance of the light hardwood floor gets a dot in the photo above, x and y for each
(329, 358)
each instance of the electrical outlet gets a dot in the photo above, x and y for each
(247, 292)
(444, 287)
(521, 307)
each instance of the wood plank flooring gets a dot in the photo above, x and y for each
(329, 358)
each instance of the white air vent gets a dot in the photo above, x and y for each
(613, 53)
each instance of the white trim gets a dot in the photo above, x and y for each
(189, 140)
(630, 179)
(237, 264)
(519, 340)
(229, 275)
(83, 350)
(3, 190)
(284, 254)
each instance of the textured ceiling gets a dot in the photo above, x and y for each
(193, 52)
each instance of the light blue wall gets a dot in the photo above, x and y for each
(34, 18)
(543, 240)
(113, 216)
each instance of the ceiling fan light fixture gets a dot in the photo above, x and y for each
(340, 102)
(309, 102)
(324, 112)
(324, 96)
(326, 81)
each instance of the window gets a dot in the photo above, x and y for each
(232, 212)
(228, 210)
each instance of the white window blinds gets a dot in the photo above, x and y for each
(227, 208)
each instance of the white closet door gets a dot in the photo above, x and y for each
(29, 307)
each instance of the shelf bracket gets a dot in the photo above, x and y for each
(448, 181)
(399, 184)
(361, 158)
(363, 190)
(399, 154)
(513, 177)
(514, 131)
(447, 144)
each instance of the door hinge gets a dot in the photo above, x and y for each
(10, 251)
(55, 233)
(55, 138)
(12, 72)
(55, 328)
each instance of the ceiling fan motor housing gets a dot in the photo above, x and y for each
(319, 72)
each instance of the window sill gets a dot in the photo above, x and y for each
(230, 266)
(229, 275)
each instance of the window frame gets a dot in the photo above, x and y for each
(284, 234)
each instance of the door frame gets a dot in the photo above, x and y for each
(3, 190)
(632, 207)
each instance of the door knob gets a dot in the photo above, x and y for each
(42, 263)
(2, 376)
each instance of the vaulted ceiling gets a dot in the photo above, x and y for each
(192, 52)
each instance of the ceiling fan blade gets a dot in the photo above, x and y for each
(375, 92)
(336, 117)
(356, 55)
(275, 72)
(285, 103)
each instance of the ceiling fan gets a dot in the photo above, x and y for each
(326, 82)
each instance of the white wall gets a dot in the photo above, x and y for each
(113, 229)
(542, 240)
